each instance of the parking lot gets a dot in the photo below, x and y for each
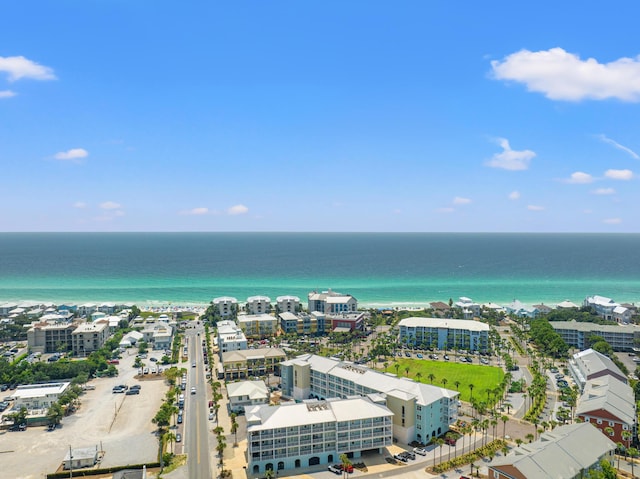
(117, 424)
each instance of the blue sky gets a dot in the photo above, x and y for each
(319, 116)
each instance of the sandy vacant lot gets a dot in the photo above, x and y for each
(117, 424)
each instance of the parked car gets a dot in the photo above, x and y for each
(178, 437)
(334, 469)
(409, 454)
(179, 418)
(131, 392)
(18, 427)
(400, 457)
(153, 359)
(419, 355)
(420, 450)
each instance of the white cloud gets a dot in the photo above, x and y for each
(604, 191)
(447, 209)
(612, 221)
(238, 210)
(619, 174)
(514, 195)
(80, 204)
(579, 178)
(110, 205)
(20, 67)
(7, 94)
(535, 208)
(73, 154)
(561, 75)
(617, 145)
(461, 201)
(510, 159)
(195, 211)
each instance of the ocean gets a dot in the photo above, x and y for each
(379, 269)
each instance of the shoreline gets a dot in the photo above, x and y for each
(149, 305)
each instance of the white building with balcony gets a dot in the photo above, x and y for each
(331, 302)
(297, 435)
(230, 337)
(227, 306)
(288, 304)
(258, 304)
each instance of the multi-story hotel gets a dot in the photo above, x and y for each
(227, 306)
(50, 338)
(89, 337)
(444, 333)
(331, 302)
(290, 304)
(302, 323)
(621, 337)
(306, 434)
(420, 411)
(258, 326)
(258, 304)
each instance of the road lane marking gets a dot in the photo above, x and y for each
(198, 431)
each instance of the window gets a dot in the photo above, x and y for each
(599, 421)
(611, 423)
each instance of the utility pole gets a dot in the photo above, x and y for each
(70, 462)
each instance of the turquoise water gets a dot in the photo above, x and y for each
(378, 269)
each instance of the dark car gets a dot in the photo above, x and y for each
(131, 392)
(179, 418)
(18, 427)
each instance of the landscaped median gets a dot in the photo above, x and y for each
(489, 450)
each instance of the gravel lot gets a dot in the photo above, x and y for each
(117, 424)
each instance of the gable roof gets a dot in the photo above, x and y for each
(609, 394)
(559, 454)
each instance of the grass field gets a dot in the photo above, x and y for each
(482, 377)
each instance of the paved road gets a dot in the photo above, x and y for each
(196, 430)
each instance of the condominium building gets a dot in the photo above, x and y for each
(331, 302)
(420, 411)
(230, 337)
(227, 306)
(444, 333)
(50, 338)
(566, 452)
(302, 323)
(157, 334)
(621, 337)
(246, 363)
(602, 305)
(290, 304)
(311, 433)
(89, 337)
(258, 326)
(258, 304)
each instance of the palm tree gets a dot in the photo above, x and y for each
(234, 428)
(530, 437)
(397, 366)
(456, 383)
(170, 438)
(518, 442)
(440, 443)
(621, 448)
(471, 386)
(418, 376)
(431, 377)
(406, 370)
(633, 453)
(444, 382)
(504, 419)
(345, 464)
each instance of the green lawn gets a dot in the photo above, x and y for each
(482, 377)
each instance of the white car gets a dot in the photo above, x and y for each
(193, 390)
(420, 450)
